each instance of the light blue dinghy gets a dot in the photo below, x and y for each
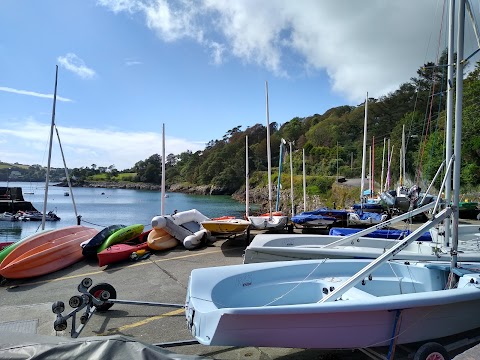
(292, 304)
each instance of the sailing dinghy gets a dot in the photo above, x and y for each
(343, 303)
(270, 220)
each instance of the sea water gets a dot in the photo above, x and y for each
(101, 207)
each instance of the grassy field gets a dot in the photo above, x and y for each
(119, 177)
(7, 165)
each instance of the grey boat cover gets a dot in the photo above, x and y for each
(14, 345)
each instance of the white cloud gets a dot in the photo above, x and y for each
(120, 5)
(32, 93)
(83, 146)
(217, 52)
(173, 23)
(132, 62)
(76, 65)
(362, 47)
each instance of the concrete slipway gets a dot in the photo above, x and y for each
(25, 305)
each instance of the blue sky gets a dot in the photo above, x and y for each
(128, 66)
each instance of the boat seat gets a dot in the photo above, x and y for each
(356, 294)
(446, 268)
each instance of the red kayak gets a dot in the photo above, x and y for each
(5, 244)
(118, 252)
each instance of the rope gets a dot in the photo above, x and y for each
(274, 300)
(91, 223)
(426, 129)
(299, 283)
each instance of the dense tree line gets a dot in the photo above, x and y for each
(333, 141)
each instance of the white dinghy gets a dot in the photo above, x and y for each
(270, 220)
(342, 303)
(282, 247)
(286, 304)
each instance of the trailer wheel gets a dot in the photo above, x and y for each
(58, 307)
(99, 291)
(87, 282)
(60, 324)
(75, 301)
(431, 351)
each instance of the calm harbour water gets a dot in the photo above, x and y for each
(114, 206)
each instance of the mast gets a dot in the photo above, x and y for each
(370, 170)
(337, 161)
(373, 167)
(449, 125)
(304, 183)
(383, 165)
(269, 155)
(389, 159)
(404, 150)
(50, 150)
(291, 178)
(68, 178)
(364, 152)
(458, 131)
(279, 180)
(247, 200)
(163, 171)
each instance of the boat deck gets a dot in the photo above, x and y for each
(26, 304)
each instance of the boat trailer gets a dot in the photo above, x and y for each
(102, 297)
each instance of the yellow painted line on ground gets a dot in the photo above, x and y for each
(141, 323)
(124, 267)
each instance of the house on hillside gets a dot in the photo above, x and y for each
(15, 174)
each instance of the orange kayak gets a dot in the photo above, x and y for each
(46, 253)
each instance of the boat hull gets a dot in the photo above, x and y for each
(226, 226)
(89, 248)
(39, 239)
(118, 252)
(282, 247)
(122, 235)
(159, 239)
(266, 222)
(279, 305)
(48, 257)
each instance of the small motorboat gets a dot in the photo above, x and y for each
(36, 216)
(8, 216)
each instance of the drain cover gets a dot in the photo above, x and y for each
(24, 326)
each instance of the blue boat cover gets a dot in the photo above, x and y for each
(305, 217)
(338, 214)
(364, 215)
(381, 233)
(368, 206)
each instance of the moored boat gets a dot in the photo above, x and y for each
(8, 216)
(36, 216)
